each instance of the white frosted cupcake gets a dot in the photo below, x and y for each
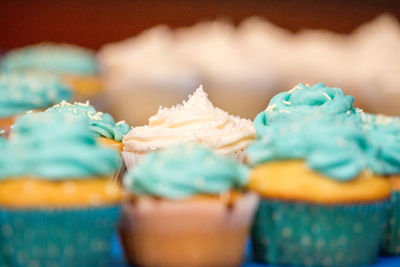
(196, 120)
(141, 73)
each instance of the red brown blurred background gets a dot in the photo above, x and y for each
(92, 23)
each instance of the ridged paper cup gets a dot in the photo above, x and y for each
(189, 233)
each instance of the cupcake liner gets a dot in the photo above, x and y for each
(131, 159)
(391, 244)
(186, 233)
(288, 233)
(57, 237)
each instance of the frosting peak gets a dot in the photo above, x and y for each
(55, 146)
(305, 100)
(101, 124)
(196, 120)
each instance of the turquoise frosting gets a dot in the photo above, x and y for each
(20, 92)
(383, 134)
(101, 124)
(331, 145)
(304, 100)
(61, 58)
(184, 170)
(55, 146)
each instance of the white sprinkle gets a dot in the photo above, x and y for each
(348, 112)
(74, 110)
(326, 95)
(284, 111)
(286, 102)
(83, 104)
(120, 122)
(270, 108)
(358, 110)
(297, 87)
(363, 118)
(65, 103)
(29, 112)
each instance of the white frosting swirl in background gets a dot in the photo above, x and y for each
(196, 120)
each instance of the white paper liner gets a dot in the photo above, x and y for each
(131, 159)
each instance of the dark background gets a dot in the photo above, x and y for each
(93, 23)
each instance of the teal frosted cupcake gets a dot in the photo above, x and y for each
(20, 92)
(319, 206)
(304, 100)
(102, 125)
(186, 208)
(76, 65)
(58, 204)
(383, 134)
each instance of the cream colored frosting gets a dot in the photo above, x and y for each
(196, 120)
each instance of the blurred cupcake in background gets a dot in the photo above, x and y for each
(227, 68)
(384, 159)
(186, 208)
(319, 207)
(196, 120)
(102, 125)
(77, 66)
(21, 92)
(302, 101)
(58, 205)
(144, 72)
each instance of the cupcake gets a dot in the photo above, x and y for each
(144, 72)
(304, 100)
(196, 120)
(58, 205)
(186, 208)
(319, 206)
(77, 66)
(102, 125)
(20, 92)
(384, 159)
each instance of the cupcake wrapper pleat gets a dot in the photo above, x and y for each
(57, 237)
(391, 244)
(289, 233)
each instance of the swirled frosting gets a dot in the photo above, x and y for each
(330, 145)
(20, 92)
(101, 124)
(196, 120)
(55, 146)
(304, 100)
(383, 134)
(184, 170)
(61, 58)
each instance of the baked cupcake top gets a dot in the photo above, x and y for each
(196, 120)
(330, 145)
(303, 100)
(185, 170)
(55, 146)
(101, 124)
(383, 134)
(20, 92)
(61, 58)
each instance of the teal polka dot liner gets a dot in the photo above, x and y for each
(57, 237)
(301, 234)
(391, 246)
